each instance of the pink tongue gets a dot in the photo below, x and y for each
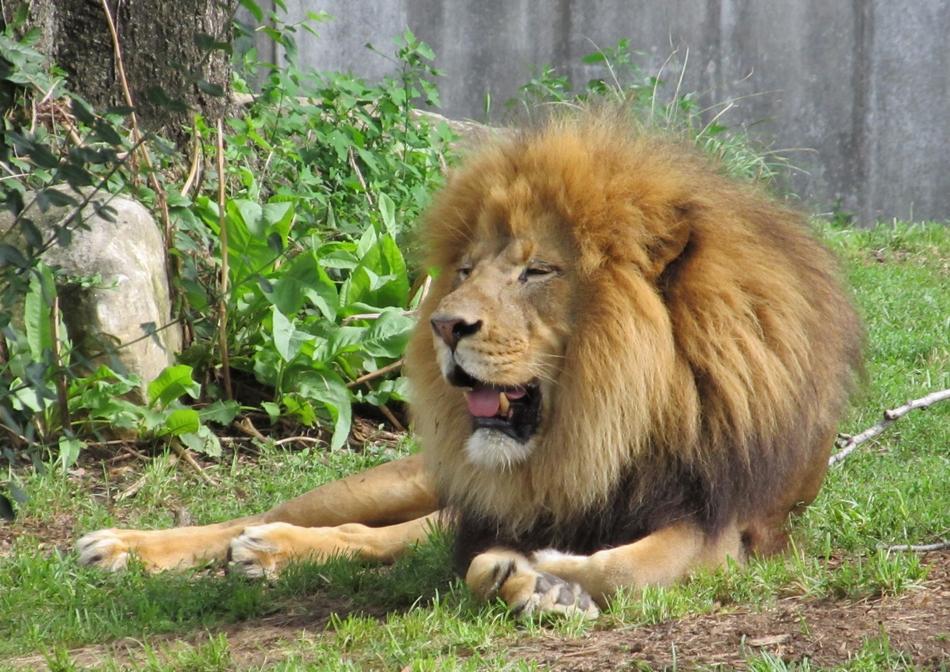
(482, 402)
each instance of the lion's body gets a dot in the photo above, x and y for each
(629, 366)
(710, 389)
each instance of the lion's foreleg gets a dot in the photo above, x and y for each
(263, 550)
(394, 492)
(658, 559)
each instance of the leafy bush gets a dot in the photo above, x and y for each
(322, 173)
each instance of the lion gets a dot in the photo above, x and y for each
(629, 366)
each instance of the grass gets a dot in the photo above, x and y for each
(414, 614)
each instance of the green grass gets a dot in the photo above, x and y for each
(350, 615)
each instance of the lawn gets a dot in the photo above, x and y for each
(838, 600)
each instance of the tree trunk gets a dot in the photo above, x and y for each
(161, 45)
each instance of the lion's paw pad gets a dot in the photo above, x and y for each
(554, 595)
(255, 552)
(103, 548)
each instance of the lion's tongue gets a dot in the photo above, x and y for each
(483, 402)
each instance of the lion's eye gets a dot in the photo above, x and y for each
(537, 271)
(464, 271)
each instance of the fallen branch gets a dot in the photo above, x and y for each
(920, 548)
(890, 416)
(393, 420)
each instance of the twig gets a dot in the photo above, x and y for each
(62, 398)
(246, 426)
(140, 482)
(920, 548)
(185, 454)
(223, 300)
(195, 162)
(304, 439)
(393, 420)
(359, 176)
(890, 416)
(378, 373)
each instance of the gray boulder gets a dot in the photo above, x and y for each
(117, 319)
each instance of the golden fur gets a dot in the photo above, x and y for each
(705, 329)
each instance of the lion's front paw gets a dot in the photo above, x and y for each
(108, 549)
(527, 591)
(259, 551)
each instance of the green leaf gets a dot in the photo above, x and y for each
(303, 279)
(248, 213)
(171, 384)
(69, 450)
(287, 338)
(202, 441)
(13, 256)
(247, 243)
(180, 421)
(254, 9)
(387, 210)
(388, 335)
(380, 278)
(272, 410)
(328, 388)
(38, 311)
(221, 412)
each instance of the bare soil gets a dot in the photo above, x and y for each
(826, 633)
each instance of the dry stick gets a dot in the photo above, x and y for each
(246, 426)
(303, 439)
(223, 290)
(889, 417)
(392, 418)
(378, 373)
(359, 175)
(920, 548)
(61, 396)
(195, 169)
(185, 454)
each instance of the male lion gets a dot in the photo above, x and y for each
(628, 367)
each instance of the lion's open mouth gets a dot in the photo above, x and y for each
(514, 410)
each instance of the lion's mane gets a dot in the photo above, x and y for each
(711, 350)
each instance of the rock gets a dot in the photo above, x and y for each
(131, 293)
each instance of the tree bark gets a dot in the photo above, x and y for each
(159, 41)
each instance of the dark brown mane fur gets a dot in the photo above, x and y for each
(711, 353)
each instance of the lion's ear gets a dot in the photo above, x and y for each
(669, 244)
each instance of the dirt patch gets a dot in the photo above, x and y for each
(827, 633)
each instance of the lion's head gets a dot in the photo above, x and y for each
(610, 311)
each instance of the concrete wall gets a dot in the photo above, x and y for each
(857, 90)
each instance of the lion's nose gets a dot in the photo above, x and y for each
(453, 329)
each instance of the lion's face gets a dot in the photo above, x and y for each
(500, 334)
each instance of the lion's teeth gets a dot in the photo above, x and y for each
(503, 404)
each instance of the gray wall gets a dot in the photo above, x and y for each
(856, 90)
